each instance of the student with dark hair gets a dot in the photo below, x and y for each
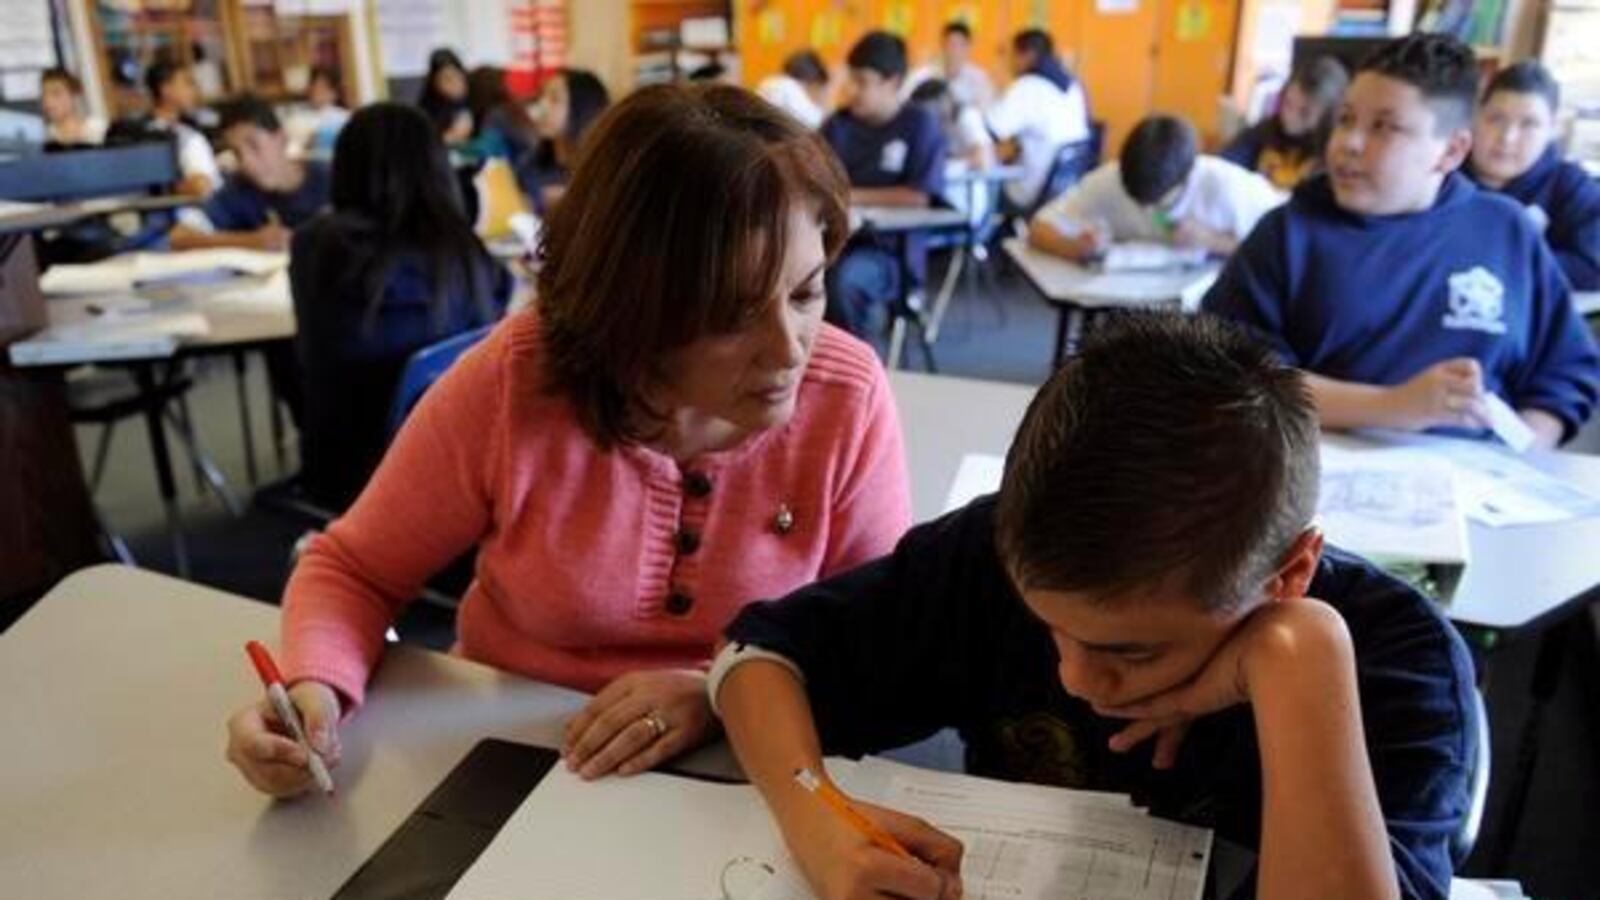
(269, 195)
(444, 96)
(1405, 291)
(1161, 189)
(501, 126)
(1288, 146)
(894, 153)
(313, 128)
(1042, 110)
(174, 98)
(67, 122)
(967, 82)
(671, 433)
(1137, 612)
(1514, 152)
(393, 267)
(570, 102)
(801, 89)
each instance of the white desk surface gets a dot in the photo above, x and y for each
(1065, 282)
(116, 688)
(959, 171)
(1587, 302)
(1517, 576)
(906, 218)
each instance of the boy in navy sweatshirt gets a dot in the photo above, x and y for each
(1405, 291)
(894, 153)
(1514, 152)
(1149, 575)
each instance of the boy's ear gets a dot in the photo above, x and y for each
(1456, 150)
(1297, 568)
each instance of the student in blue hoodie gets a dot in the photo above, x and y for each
(894, 153)
(1514, 152)
(1298, 700)
(1406, 291)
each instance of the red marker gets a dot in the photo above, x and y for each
(273, 680)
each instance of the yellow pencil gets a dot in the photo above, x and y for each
(836, 801)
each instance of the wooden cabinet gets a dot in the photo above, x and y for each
(232, 45)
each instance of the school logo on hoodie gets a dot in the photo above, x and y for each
(1477, 302)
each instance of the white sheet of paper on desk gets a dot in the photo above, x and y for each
(1507, 425)
(1500, 490)
(1037, 843)
(979, 474)
(269, 295)
(1392, 505)
(1140, 256)
(121, 273)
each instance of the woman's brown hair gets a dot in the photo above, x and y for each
(673, 227)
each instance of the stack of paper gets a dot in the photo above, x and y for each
(1137, 256)
(122, 273)
(662, 837)
(1394, 505)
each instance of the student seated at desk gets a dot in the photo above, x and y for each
(1402, 288)
(1210, 657)
(1041, 111)
(174, 99)
(1161, 189)
(966, 80)
(894, 154)
(1288, 146)
(801, 89)
(67, 122)
(392, 268)
(1514, 152)
(669, 435)
(269, 195)
(313, 129)
(570, 103)
(444, 96)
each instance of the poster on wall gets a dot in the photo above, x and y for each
(26, 41)
(1116, 7)
(408, 30)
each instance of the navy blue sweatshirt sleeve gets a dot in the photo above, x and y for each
(1574, 230)
(1562, 375)
(1253, 288)
(925, 158)
(888, 648)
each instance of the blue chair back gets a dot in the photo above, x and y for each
(1073, 161)
(427, 366)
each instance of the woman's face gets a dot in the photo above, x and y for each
(555, 104)
(1511, 131)
(750, 378)
(1298, 114)
(451, 82)
(56, 101)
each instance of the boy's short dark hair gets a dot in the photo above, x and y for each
(957, 26)
(1440, 66)
(1034, 41)
(1526, 77)
(247, 109)
(64, 76)
(1174, 452)
(934, 90)
(1157, 156)
(880, 52)
(159, 73)
(806, 67)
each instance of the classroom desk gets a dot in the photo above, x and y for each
(944, 419)
(117, 686)
(57, 215)
(902, 221)
(237, 325)
(1076, 291)
(1587, 302)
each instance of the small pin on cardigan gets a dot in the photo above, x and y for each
(783, 522)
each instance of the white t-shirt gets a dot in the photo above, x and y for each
(195, 156)
(790, 96)
(1041, 118)
(970, 87)
(1219, 195)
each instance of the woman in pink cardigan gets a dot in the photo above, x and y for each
(672, 434)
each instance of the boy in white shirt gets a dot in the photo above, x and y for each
(967, 81)
(801, 89)
(1160, 190)
(174, 96)
(1043, 109)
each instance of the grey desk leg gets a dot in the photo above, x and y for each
(165, 483)
(947, 290)
(241, 373)
(275, 421)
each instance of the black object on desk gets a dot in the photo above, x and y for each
(444, 836)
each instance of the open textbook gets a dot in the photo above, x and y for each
(666, 837)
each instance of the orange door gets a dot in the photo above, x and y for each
(1194, 48)
(1115, 57)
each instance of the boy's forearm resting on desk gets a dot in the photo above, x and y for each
(767, 718)
(1044, 236)
(1322, 829)
(889, 196)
